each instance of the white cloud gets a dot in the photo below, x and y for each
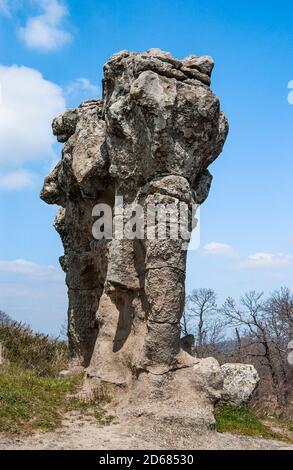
(262, 260)
(45, 32)
(29, 104)
(30, 290)
(4, 9)
(218, 249)
(82, 88)
(259, 260)
(32, 270)
(17, 179)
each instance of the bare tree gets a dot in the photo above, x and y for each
(63, 335)
(5, 319)
(263, 328)
(257, 331)
(279, 310)
(200, 306)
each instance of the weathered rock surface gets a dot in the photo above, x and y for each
(240, 381)
(209, 377)
(150, 140)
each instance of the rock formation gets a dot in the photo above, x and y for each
(239, 382)
(149, 140)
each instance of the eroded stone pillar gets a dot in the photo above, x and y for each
(149, 140)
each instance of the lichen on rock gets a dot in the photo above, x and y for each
(239, 383)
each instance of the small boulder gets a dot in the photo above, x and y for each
(76, 370)
(240, 381)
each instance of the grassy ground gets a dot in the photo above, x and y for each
(243, 421)
(31, 402)
(32, 395)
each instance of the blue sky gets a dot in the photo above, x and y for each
(51, 56)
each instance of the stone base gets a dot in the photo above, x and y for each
(181, 399)
(177, 398)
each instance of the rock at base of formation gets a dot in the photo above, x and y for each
(148, 141)
(240, 381)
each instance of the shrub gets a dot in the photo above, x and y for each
(33, 351)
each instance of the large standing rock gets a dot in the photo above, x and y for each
(240, 381)
(149, 141)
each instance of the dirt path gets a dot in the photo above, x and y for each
(83, 433)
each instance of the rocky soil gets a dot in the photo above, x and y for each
(83, 433)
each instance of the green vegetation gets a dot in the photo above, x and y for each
(32, 395)
(243, 421)
(29, 402)
(33, 351)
